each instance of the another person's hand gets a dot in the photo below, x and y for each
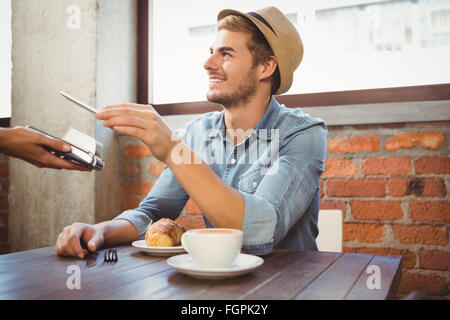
(28, 145)
(142, 122)
(69, 240)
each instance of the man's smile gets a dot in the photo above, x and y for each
(214, 79)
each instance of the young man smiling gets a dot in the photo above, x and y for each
(274, 198)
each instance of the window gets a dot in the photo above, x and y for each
(5, 59)
(349, 44)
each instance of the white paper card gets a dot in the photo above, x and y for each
(81, 140)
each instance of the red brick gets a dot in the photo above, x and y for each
(398, 187)
(432, 140)
(191, 208)
(136, 188)
(339, 167)
(356, 187)
(438, 211)
(156, 168)
(329, 205)
(434, 259)
(426, 139)
(387, 166)
(350, 249)
(130, 202)
(131, 169)
(408, 257)
(363, 232)
(421, 234)
(137, 151)
(376, 210)
(425, 187)
(431, 285)
(353, 144)
(434, 187)
(432, 165)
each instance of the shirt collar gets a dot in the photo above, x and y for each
(262, 129)
(218, 126)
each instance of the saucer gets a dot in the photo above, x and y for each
(243, 264)
(158, 251)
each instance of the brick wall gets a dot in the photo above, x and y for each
(140, 171)
(390, 181)
(4, 204)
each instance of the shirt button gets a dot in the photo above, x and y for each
(233, 161)
(254, 184)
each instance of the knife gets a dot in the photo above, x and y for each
(91, 259)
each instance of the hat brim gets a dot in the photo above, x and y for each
(286, 76)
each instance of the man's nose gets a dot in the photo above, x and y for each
(211, 63)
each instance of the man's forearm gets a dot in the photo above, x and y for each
(222, 205)
(117, 232)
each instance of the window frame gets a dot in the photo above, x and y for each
(434, 92)
(5, 122)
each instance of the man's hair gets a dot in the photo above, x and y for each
(257, 45)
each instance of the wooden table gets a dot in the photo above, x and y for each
(285, 274)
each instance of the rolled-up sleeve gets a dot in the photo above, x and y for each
(276, 198)
(165, 200)
(258, 228)
(140, 220)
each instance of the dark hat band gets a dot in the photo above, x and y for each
(257, 16)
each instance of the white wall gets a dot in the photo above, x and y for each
(5, 59)
(94, 62)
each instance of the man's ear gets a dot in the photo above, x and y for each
(268, 67)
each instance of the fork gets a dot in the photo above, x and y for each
(111, 256)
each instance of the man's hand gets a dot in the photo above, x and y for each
(69, 240)
(28, 145)
(142, 122)
(223, 206)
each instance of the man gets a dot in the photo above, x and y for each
(258, 164)
(28, 145)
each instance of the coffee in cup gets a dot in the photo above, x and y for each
(214, 247)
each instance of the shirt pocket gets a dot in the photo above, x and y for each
(250, 180)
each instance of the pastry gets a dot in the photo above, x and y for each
(164, 233)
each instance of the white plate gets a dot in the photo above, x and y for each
(159, 251)
(243, 264)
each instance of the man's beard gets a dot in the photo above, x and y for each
(241, 94)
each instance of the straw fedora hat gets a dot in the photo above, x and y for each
(282, 37)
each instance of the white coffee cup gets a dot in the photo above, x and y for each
(213, 247)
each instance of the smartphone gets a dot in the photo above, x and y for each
(76, 155)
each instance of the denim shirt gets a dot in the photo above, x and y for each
(276, 168)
